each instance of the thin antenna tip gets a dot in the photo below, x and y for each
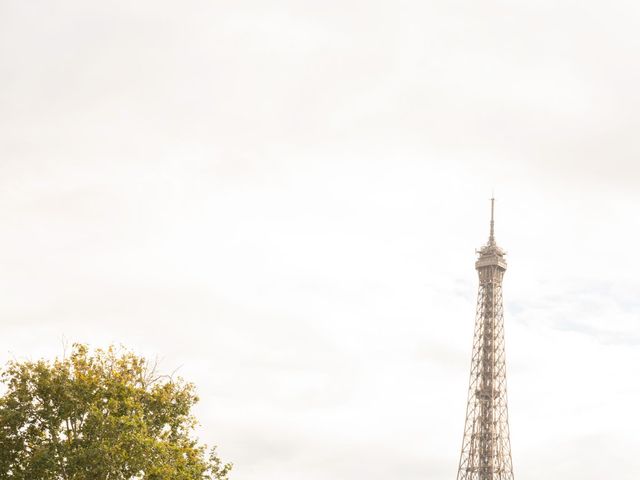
(491, 229)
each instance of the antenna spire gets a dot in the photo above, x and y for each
(492, 239)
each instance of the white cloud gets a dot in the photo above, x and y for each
(283, 198)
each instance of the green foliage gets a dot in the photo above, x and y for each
(105, 415)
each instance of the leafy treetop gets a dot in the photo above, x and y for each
(101, 415)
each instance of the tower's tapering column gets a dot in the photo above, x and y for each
(486, 449)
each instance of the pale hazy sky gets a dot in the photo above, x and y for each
(282, 199)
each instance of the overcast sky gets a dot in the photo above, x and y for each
(282, 199)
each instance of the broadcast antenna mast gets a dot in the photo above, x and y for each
(486, 449)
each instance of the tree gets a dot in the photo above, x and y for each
(102, 415)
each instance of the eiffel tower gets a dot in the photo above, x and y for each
(486, 449)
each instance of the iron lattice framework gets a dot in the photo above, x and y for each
(486, 449)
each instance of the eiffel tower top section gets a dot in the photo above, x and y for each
(491, 254)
